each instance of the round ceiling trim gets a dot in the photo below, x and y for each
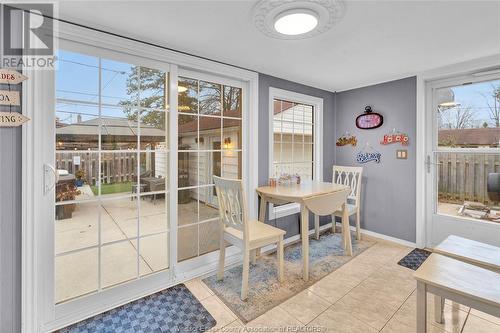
(329, 12)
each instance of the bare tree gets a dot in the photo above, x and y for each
(457, 118)
(495, 106)
(493, 102)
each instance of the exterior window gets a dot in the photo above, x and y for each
(295, 140)
(209, 143)
(293, 135)
(467, 152)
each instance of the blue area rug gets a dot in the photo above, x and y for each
(170, 310)
(265, 292)
(414, 259)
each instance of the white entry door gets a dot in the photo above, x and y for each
(463, 152)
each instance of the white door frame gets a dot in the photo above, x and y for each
(38, 100)
(479, 66)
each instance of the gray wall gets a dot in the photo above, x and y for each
(10, 222)
(388, 192)
(291, 223)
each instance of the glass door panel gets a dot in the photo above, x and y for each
(209, 137)
(111, 154)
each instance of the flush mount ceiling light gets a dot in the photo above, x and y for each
(296, 22)
(285, 19)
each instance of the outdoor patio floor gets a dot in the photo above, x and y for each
(77, 239)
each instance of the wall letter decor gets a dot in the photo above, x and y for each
(369, 119)
(368, 154)
(395, 137)
(347, 139)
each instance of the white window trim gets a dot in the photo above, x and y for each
(317, 103)
(37, 94)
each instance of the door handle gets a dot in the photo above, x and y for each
(46, 169)
(429, 163)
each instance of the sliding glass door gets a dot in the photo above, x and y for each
(111, 153)
(209, 143)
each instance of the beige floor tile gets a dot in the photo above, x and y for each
(305, 306)
(334, 286)
(199, 290)
(477, 313)
(337, 320)
(395, 326)
(371, 310)
(478, 325)
(219, 311)
(454, 318)
(275, 320)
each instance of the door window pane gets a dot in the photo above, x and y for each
(154, 252)
(210, 143)
(119, 263)
(76, 274)
(468, 119)
(112, 161)
(468, 116)
(210, 98)
(462, 181)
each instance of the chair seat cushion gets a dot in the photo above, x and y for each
(257, 231)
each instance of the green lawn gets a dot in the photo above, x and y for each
(125, 187)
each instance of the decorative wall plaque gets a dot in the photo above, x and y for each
(395, 137)
(12, 119)
(347, 139)
(9, 76)
(369, 119)
(9, 98)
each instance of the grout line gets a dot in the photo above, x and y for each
(465, 322)
(406, 299)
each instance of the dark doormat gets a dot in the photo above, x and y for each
(414, 259)
(170, 310)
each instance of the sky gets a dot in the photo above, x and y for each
(477, 96)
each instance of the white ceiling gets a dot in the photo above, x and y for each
(374, 42)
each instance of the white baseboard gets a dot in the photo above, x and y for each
(385, 237)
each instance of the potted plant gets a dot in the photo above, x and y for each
(80, 175)
(65, 192)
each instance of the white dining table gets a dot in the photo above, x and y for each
(302, 193)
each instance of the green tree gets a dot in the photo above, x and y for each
(150, 86)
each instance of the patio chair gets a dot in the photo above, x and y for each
(239, 231)
(350, 176)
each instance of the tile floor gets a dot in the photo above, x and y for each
(371, 293)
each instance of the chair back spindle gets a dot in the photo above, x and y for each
(232, 203)
(350, 176)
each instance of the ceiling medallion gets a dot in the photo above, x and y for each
(266, 12)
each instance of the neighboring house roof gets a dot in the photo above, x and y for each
(471, 136)
(207, 123)
(110, 126)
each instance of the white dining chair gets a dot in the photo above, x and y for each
(350, 176)
(236, 228)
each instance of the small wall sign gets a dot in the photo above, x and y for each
(347, 139)
(9, 97)
(369, 119)
(9, 76)
(368, 154)
(395, 137)
(12, 119)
